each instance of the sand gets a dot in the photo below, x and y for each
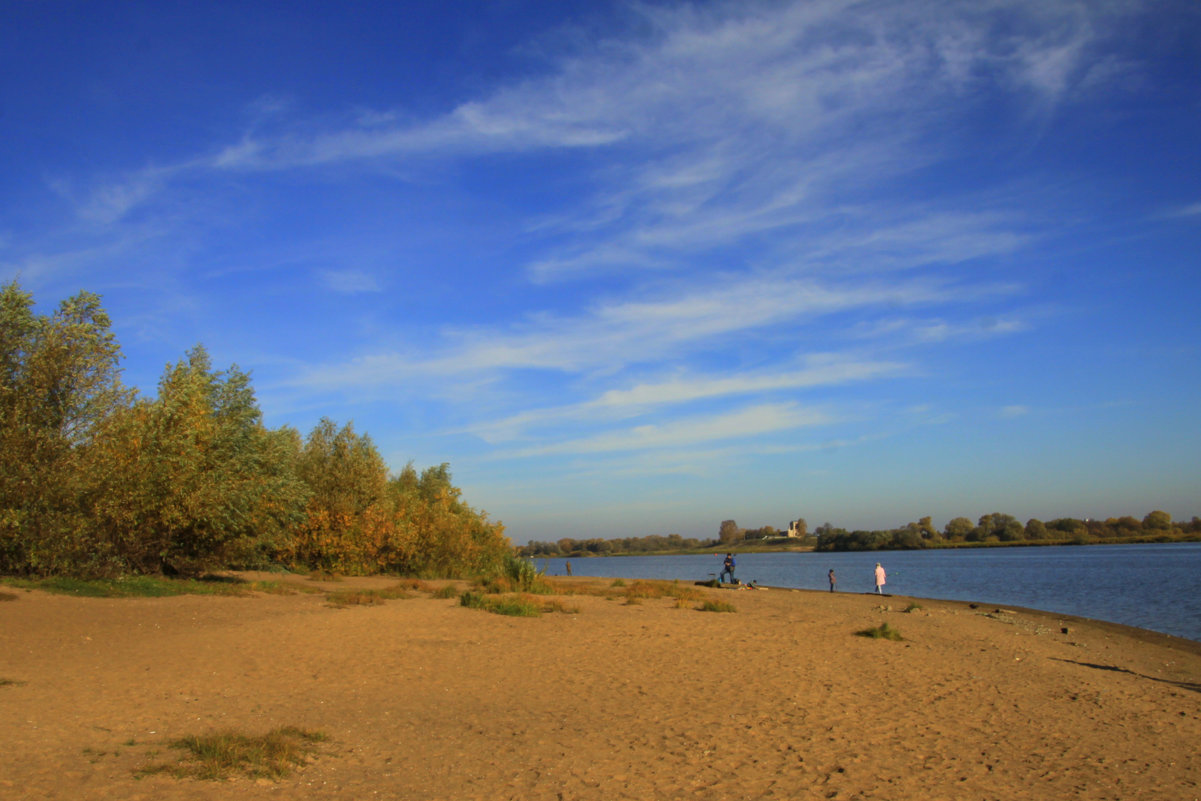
(424, 699)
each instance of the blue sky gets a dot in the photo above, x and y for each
(636, 268)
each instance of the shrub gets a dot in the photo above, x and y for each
(881, 632)
(525, 575)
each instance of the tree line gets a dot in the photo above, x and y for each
(1157, 526)
(989, 529)
(98, 481)
(595, 546)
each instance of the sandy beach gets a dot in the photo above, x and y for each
(421, 698)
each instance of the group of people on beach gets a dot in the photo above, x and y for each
(880, 577)
(727, 571)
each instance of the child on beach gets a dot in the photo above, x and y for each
(833, 580)
(880, 578)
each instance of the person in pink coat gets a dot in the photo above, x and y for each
(880, 577)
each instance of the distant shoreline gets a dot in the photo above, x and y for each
(943, 546)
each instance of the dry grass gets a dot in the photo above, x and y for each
(223, 754)
(663, 589)
(367, 597)
(881, 632)
(716, 606)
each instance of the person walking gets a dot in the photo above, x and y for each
(880, 579)
(833, 580)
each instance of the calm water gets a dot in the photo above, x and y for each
(1150, 586)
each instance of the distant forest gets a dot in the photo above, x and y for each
(96, 481)
(990, 529)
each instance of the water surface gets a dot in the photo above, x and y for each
(1151, 586)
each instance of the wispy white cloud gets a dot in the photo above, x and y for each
(905, 331)
(748, 422)
(1191, 210)
(624, 333)
(350, 282)
(731, 90)
(644, 397)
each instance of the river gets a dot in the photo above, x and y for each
(1150, 586)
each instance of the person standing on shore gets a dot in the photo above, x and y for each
(727, 568)
(833, 580)
(880, 578)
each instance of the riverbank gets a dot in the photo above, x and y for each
(423, 699)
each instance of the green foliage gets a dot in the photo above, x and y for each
(524, 575)
(881, 632)
(141, 586)
(59, 380)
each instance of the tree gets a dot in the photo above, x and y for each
(191, 480)
(59, 383)
(729, 532)
(1157, 521)
(958, 528)
(1035, 530)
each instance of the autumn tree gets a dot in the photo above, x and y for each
(192, 480)
(59, 382)
(729, 533)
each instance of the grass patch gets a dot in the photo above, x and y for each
(520, 605)
(881, 632)
(147, 586)
(913, 607)
(10, 682)
(618, 583)
(366, 597)
(716, 606)
(513, 606)
(447, 591)
(8, 596)
(663, 589)
(224, 754)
